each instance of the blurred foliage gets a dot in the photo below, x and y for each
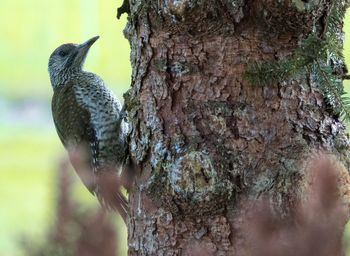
(76, 230)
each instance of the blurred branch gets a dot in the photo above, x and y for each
(125, 8)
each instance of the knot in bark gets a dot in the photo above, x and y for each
(178, 8)
(196, 185)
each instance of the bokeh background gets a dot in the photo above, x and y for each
(29, 147)
(30, 150)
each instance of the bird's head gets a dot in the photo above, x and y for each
(67, 60)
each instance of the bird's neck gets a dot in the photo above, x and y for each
(62, 78)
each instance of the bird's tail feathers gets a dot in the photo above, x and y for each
(108, 192)
(103, 183)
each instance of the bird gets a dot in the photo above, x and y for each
(90, 123)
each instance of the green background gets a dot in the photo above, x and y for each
(29, 147)
(30, 150)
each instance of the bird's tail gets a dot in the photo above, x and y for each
(108, 192)
(103, 182)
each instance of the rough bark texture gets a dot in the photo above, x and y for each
(204, 138)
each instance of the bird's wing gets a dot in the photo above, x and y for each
(71, 120)
(107, 145)
(86, 120)
(60, 133)
(105, 119)
(73, 128)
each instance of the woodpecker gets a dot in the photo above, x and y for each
(90, 123)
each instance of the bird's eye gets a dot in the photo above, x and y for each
(62, 53)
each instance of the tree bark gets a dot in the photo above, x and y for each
(206, 140)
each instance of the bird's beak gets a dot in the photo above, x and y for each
(88, 43)
(79, 55)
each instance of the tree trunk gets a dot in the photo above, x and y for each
(206, 140)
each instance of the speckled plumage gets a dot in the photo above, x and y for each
(88, 117)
